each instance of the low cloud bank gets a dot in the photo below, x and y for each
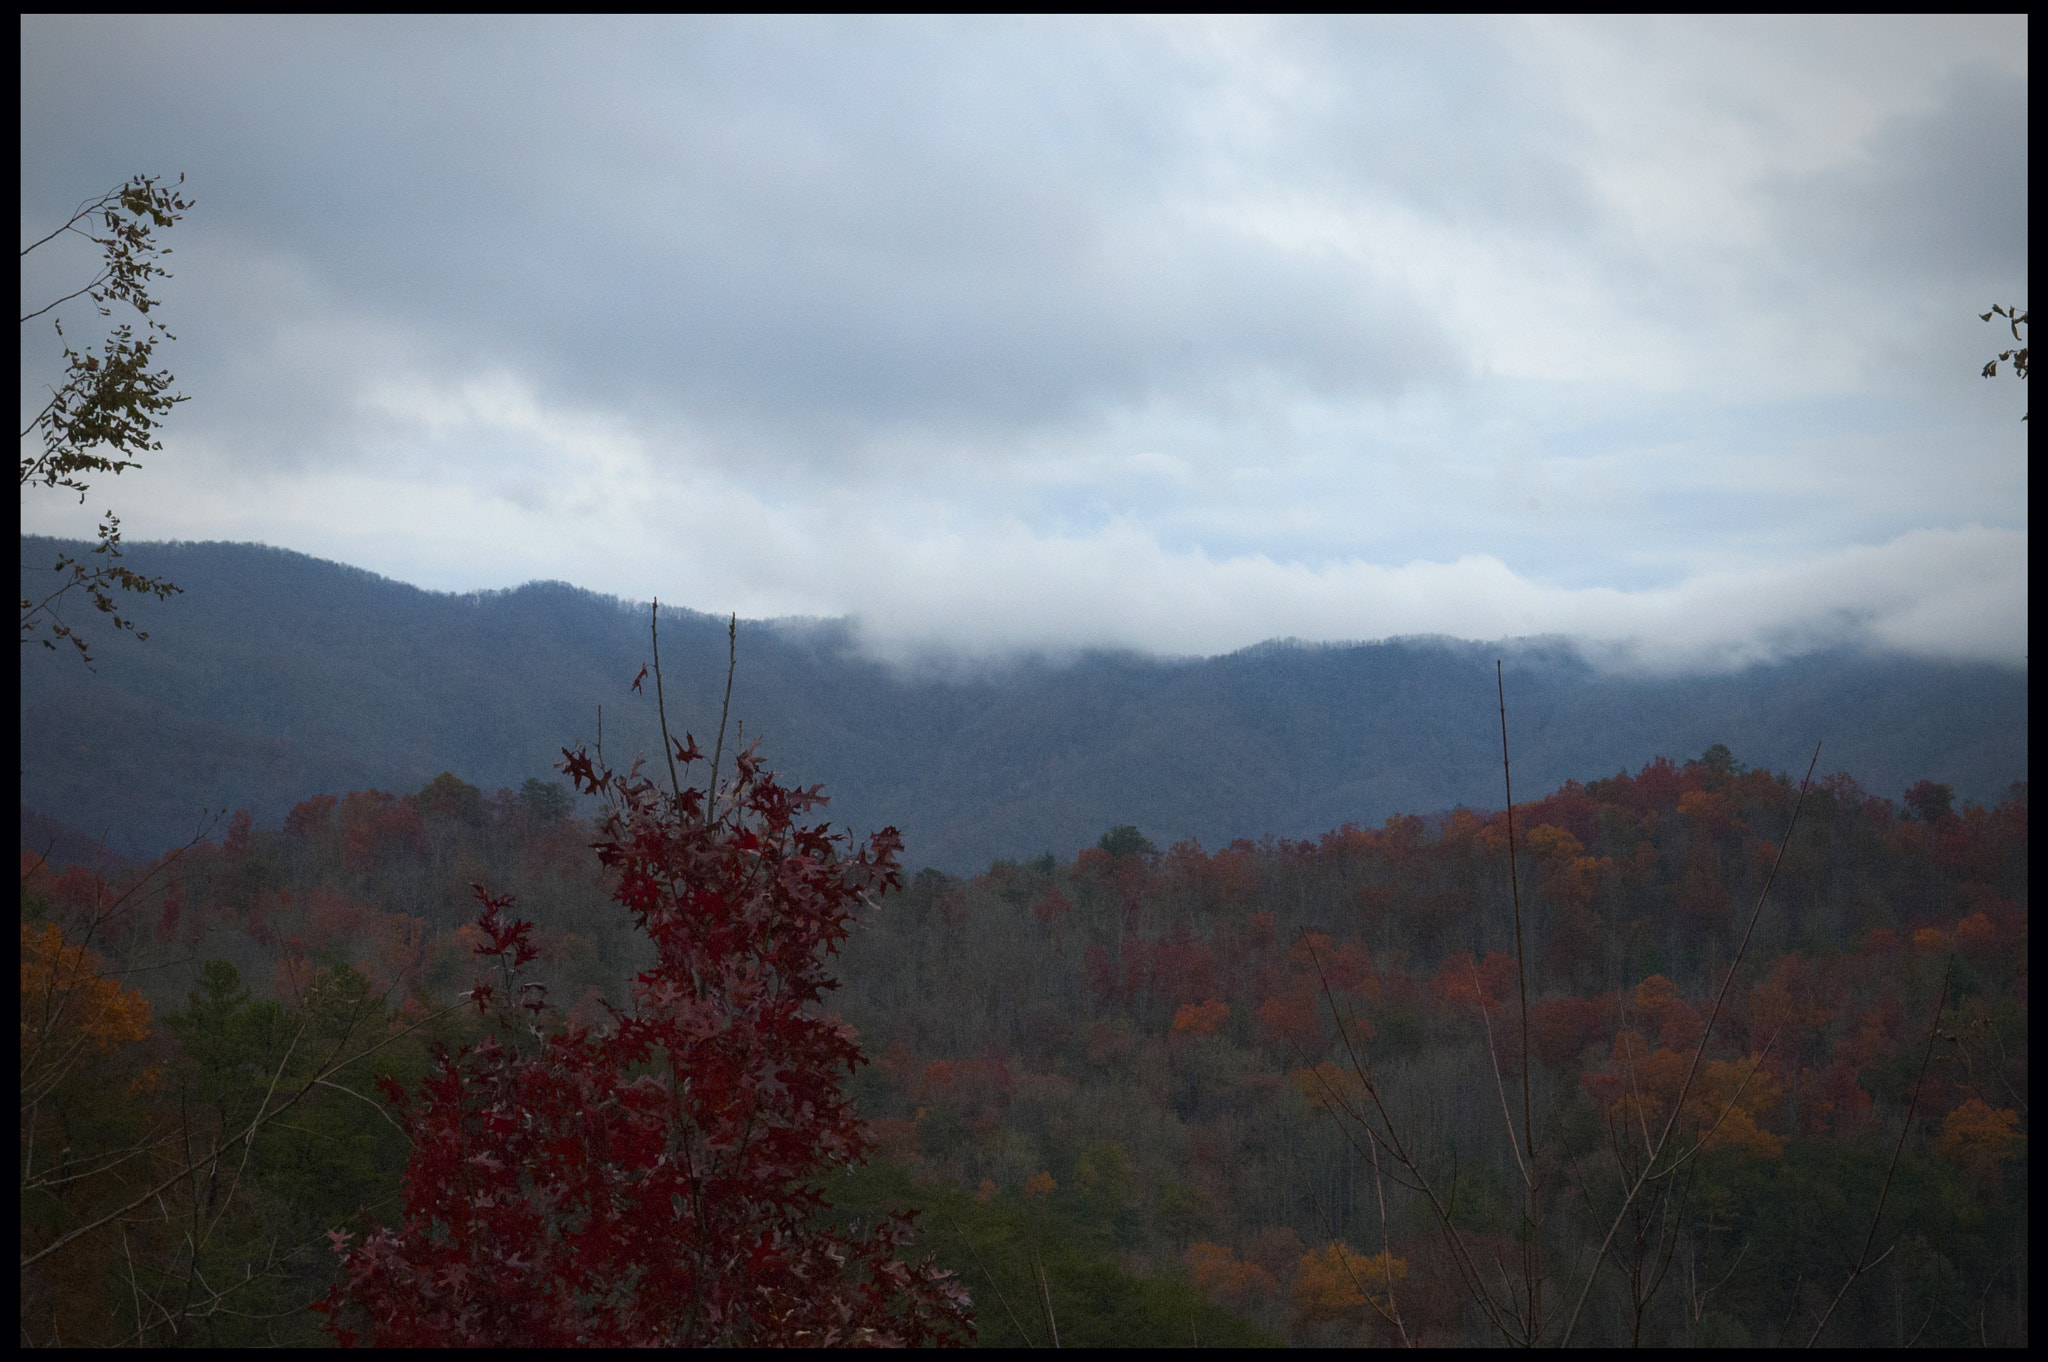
(1938, 593)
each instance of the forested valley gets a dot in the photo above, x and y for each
(1142, 1095)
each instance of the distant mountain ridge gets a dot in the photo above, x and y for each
(276, 676)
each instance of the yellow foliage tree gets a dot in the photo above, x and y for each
(1201, 1019)
(1735, 1093)
(1547, 841)
(1330, 1087)
(1930, 940)
(69, 1010)
(1977, 1136)
(1727, 1102)
(1336, 1281)
(1570, 877)
(1221, 1276)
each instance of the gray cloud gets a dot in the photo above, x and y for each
(1937, 199)
(863, 239)
(929, 321)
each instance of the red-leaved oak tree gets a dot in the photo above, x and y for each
(652, 1181)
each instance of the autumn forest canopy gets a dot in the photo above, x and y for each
(1139, 1095)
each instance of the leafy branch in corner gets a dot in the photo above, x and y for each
(2015, 319)
(112, 401)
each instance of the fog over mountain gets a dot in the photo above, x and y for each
(277, 676)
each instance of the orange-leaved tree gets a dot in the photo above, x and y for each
(86, 1136)
(1337, 1282)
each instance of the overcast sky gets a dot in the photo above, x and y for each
(1002, 334)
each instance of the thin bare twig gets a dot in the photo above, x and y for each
(1863, 1261)
(1699, 1050)
(962, 1235)
(380, 1108)
(1461, 1255)
(1386, 1249)
(249, 1133)
(1045, 1289)
(668, 748)
(1532, 1266)
(732, 653)
(1694, 1294)
(1500, 1087)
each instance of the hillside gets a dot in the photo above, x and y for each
(1127, 1087)
(276, 676)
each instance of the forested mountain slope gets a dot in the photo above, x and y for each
(276, 676)
(1117, 1083)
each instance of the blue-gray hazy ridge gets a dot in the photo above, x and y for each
(276, 676)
